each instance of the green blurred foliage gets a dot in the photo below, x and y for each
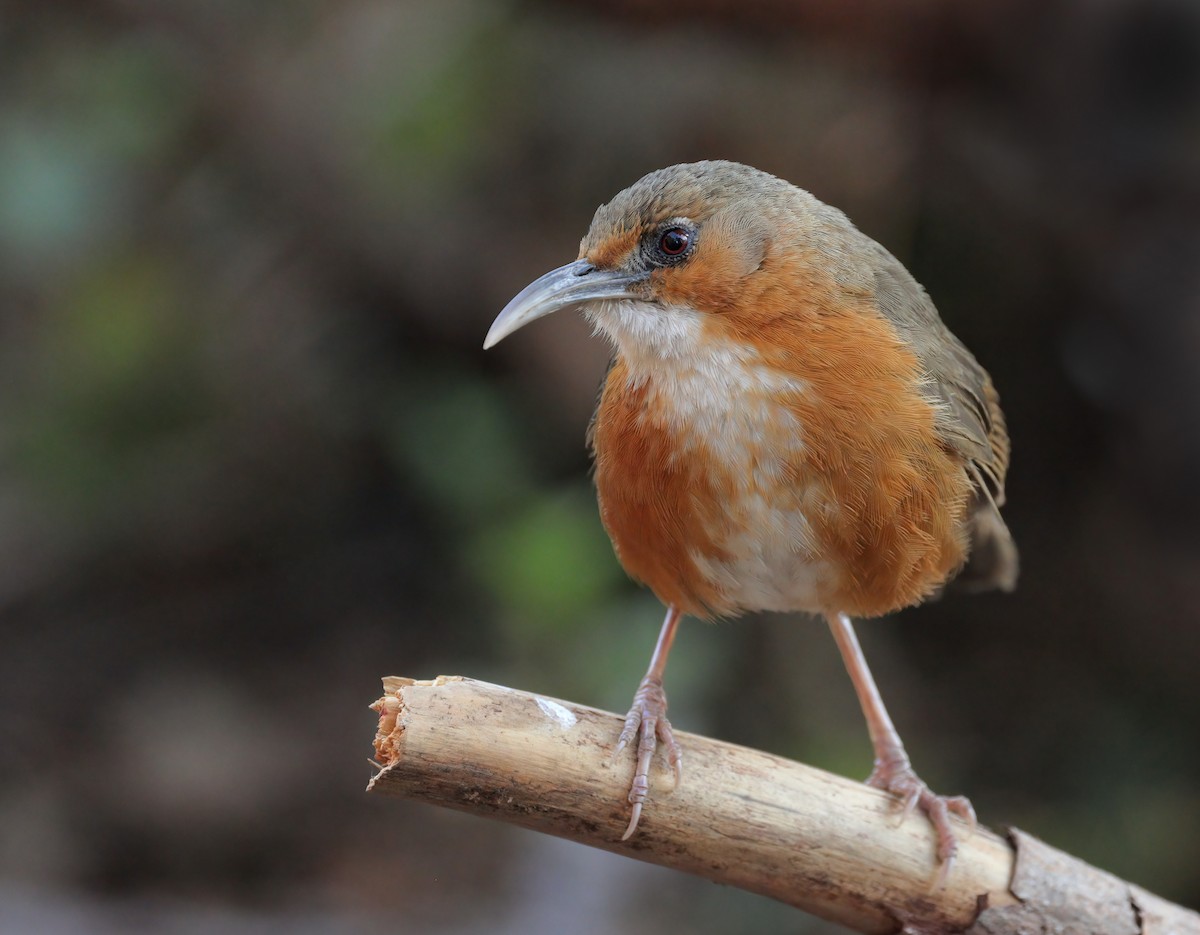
(429, 121)
(460, 443)
(117, 390)
(548, 564)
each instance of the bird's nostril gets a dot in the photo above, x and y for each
(584, 270)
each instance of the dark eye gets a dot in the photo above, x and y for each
(675, 241)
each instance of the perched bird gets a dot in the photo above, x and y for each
(787, 425)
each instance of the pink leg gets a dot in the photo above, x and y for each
(647, 721)
(893, 772)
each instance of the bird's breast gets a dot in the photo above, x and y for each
(814, 480)
(700, 485)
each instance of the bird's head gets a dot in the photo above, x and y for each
(678, 248)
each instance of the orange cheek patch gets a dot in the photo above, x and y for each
(713, 278)
(610, 252)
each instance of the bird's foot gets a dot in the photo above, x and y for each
(647, 722)
(896, 775)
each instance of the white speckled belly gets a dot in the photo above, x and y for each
(773, 566)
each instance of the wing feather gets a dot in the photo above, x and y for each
(969, 417)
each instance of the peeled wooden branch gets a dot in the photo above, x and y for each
(819, 842)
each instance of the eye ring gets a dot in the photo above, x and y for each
(675, 242)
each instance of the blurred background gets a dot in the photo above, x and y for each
(252, 457)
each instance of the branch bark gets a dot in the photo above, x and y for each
(822, 843)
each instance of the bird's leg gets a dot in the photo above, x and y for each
(893, 772)
(647, 721)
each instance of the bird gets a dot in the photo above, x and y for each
(786, 425)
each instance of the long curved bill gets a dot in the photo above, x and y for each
(574, 284)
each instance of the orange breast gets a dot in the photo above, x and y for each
(896, 496)
(661, 508)
(841, 498)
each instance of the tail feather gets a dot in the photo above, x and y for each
(993, 560)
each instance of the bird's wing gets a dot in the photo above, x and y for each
(969, 417)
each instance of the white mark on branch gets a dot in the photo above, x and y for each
(565, 718)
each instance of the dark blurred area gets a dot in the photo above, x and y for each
(252, 457)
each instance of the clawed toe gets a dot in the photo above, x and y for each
(900, 780)
(647, 724)
(962, 807)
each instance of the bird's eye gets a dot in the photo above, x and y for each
(675, 241)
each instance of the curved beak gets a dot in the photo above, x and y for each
(574, 284)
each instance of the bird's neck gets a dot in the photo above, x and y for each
(702, 386)
(647, 335)
(670, 349)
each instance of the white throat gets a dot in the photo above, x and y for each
(721, 390)
(644, 332)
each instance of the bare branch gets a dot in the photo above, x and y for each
(819, 842)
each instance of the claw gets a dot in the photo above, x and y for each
(898, 778)
(647, 722)
(633, 721)
(962, 807)
(634, 818)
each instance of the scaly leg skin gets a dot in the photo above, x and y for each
(893, 771)
(647, 721)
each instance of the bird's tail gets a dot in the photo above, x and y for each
(993, 559)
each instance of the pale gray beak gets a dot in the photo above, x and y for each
(574, 284)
